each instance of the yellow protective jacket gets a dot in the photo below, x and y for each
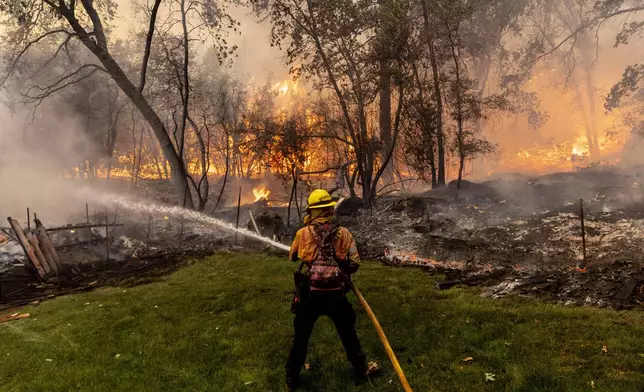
(305, 248)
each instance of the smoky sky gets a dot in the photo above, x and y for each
(256, 58)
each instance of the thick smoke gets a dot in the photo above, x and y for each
(32, 157)
(257, 58)
(35, 149)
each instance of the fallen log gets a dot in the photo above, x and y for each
(32, 259)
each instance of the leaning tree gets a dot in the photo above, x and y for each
(29, 23)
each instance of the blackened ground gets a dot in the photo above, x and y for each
(521, 235)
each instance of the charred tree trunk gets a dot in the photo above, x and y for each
(98, 47)
(389, 35)
(385, 117)
(295, 179)
(352, 182)
(433, 172)
(109, 169)
(138, 163)
(390, 153)
(587, 123)
(155, 157)
(203, 187)
(165, 168)
(428, 136)
(157, 166)
(459, 119)
(186, 78)
(593, 140)
(290, 202)
(574, 22)
(440, 133)
(438, 97)
(133, 153)
(111, 145)
(223, 185)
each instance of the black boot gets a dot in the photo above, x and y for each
(292, 382)
(361, 378)
(360, 374)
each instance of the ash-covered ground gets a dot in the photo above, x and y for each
(515, 235)
(522, 235)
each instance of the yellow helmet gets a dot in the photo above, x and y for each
(320, 198)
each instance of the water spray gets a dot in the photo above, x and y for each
(149, 208)
(194, 216)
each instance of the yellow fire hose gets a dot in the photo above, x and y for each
(383, 338)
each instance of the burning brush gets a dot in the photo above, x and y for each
(261, 193)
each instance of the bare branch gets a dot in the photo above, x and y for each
(148, 44)
(31, 43)
(328, 169)
(62, 83)
(53, 57)
(600, 18)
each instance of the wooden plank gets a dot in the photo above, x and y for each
(50, 245)
(42, 243)
(83, 226)
(11, 317)
(34, 243)
(254, 224)
(29, 251)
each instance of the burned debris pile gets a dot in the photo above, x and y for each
(115, 245)
(522, 236)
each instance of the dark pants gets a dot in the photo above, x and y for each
(336, 306)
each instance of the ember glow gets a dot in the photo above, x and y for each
(566, 156)
(286, 87)
(261, 193)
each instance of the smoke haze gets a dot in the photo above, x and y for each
(32, 160)
(32, 157)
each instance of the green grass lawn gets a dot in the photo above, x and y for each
(223, 324)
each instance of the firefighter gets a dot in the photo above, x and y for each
(328, 257)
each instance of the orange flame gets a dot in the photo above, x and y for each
(261, 193)
(566, 156)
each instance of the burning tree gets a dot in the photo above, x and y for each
(401, 88)
(330, 42)
(437, 55)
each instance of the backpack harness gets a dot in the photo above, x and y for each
(324, 273)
